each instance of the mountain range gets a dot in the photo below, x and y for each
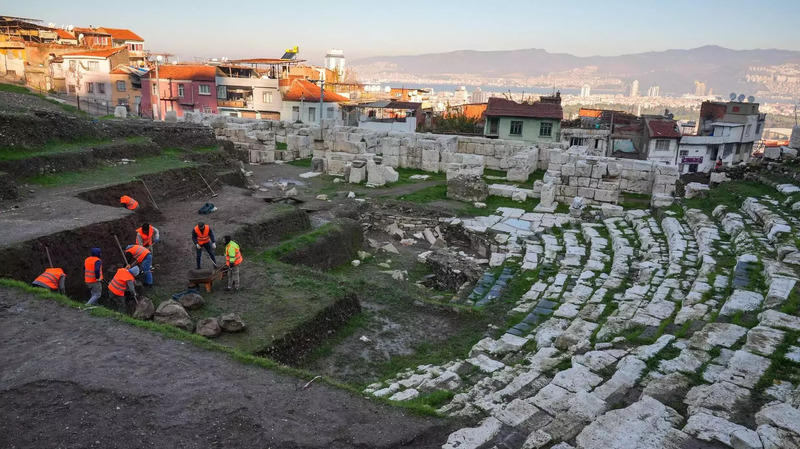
(675, 71)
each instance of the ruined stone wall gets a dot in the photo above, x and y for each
(602, 179)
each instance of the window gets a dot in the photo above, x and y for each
(312, 114)
(94, 66)
(222, 93)
(662, 145)
(90, 88)
(494, 124)
(72, 88)
(206, 109)
(546, 129)
(597, 143)
(120, 86)
(203, 89)
(295, 113)
(684, 153)
(101, 88)
(73, 64)
(577, 142)
(515, 128)
(181, 90)
(155, 88)
(758, 129)
(267, 97)
(329, 113)
(747, 129)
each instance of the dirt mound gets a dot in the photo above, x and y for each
(275, 226)
(331, 245)
(40, 127)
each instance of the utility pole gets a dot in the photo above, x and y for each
(158, 89)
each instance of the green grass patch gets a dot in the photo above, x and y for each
(732, 194)
(430, 194)
(13, 88)
(296, 243)
(305, 163)
(491, 172)
(16, 153)
(281, 146)
(118, 173)
(792, 305)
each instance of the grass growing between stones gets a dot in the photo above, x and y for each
(780, 369)
(56, 147)
(732, 194)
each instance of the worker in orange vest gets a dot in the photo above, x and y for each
(233, 258)
(144, 259)
(93, 275)
(52, 279)
(129, 202)
(124, 280)
(203, 237)
(147, 235)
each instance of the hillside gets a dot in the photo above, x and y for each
(674, 70)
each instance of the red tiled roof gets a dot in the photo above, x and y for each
(185, 72)
(663, 128)
(89, 31)
(500, 107)
(105, 53)
(119, 71)
(308, 91)
(64, 34)
(121, 34)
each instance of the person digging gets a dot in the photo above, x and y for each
(93, 276)
(52, 279)
(147, 235)
(233, 258)
(142, 257)
(124, 281)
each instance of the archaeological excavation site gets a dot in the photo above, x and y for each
(395, 290)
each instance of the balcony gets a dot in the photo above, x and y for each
(230, 103)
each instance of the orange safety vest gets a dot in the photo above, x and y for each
(88, 273)
(138, 252)
(50, 277)
(129, 202)
(202, 237)
(147, 239)
(237, 259)
(119, 284)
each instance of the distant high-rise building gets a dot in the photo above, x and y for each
(635, 88)
(653, 91)
(586, 90)
(478, 96)
(461, 96)
(699, 89)
(334, 60)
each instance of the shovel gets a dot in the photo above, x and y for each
(213, 194)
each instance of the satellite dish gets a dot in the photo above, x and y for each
(70, 27)
(733, 96)
(80, 37)
(670, 116)
(751, 99)
(387, 89)
(174, 62)
(51, 25)
(741, 97)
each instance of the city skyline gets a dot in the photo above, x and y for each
(266, 30)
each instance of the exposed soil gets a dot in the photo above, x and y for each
(70, 380)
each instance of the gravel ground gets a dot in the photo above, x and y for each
(10, 101)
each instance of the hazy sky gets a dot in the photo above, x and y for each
(253, 28)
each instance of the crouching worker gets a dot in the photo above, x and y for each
(52, 279)
(93, 276)
(144, 259)
(128, 202)
(124, 280)
(233, 258)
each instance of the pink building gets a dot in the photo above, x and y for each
(180, 88)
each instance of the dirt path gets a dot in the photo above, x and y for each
(69, 380)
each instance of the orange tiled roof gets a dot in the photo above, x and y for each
(64, 34)
(308, 91)
(105, 53)
(99, 31)
(118, 71)
(121, 34)
(185, 72)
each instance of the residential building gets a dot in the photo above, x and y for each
(699, 89)
(66, 37)
(301, 102)
(121, 37)
(471, 110)
(12, 58)
(653, 91)
(725, 131)
(87, 74)
(586, 90)
(539, 121)
(126, 88)
(661, 139)
(334, 61)
(244, 91)
(26, 30)
(179, 88)
(461, 96)
(478, 96)
(92, 37)
(386, 115)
